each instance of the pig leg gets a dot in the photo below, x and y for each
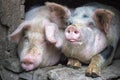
(73, 62)
(98, 61)
(94, 67)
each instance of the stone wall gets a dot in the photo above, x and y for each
(11, 15)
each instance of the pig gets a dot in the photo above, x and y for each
(33, 34)
(91, 37)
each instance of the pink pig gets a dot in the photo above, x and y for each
(40, 24)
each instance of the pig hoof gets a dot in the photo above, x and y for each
(70, 63)
(77, 64)
(73, 62)
(93, 71)
(93, 75)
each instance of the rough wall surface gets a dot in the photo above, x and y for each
(11, 14)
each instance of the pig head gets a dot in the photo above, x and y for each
(33, 34)
(33, 50)
(91, 29)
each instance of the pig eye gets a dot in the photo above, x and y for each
(68, 23)
(85, 16)
(26, 39)
(76, 32)
(90, 24)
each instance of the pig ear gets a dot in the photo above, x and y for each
(58, 10)
(17, 34)
(103, 19)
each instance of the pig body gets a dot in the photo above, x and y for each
(32, 34)
(92, 36)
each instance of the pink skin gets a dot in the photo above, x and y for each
(40, 25)
(79, 40)
(72, 34)
(31, 59)
(28, 63)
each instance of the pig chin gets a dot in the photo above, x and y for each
(75, 42)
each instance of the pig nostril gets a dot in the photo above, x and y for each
(76, 32)
(68, 31)
(27, 63)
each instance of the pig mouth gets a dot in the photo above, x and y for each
(74, 41)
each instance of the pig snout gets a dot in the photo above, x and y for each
(28, 63)
(72, 34)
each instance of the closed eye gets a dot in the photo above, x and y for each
(74, 14)
(26, 39)
(85, 16)
(90, 24)
(68, 23)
